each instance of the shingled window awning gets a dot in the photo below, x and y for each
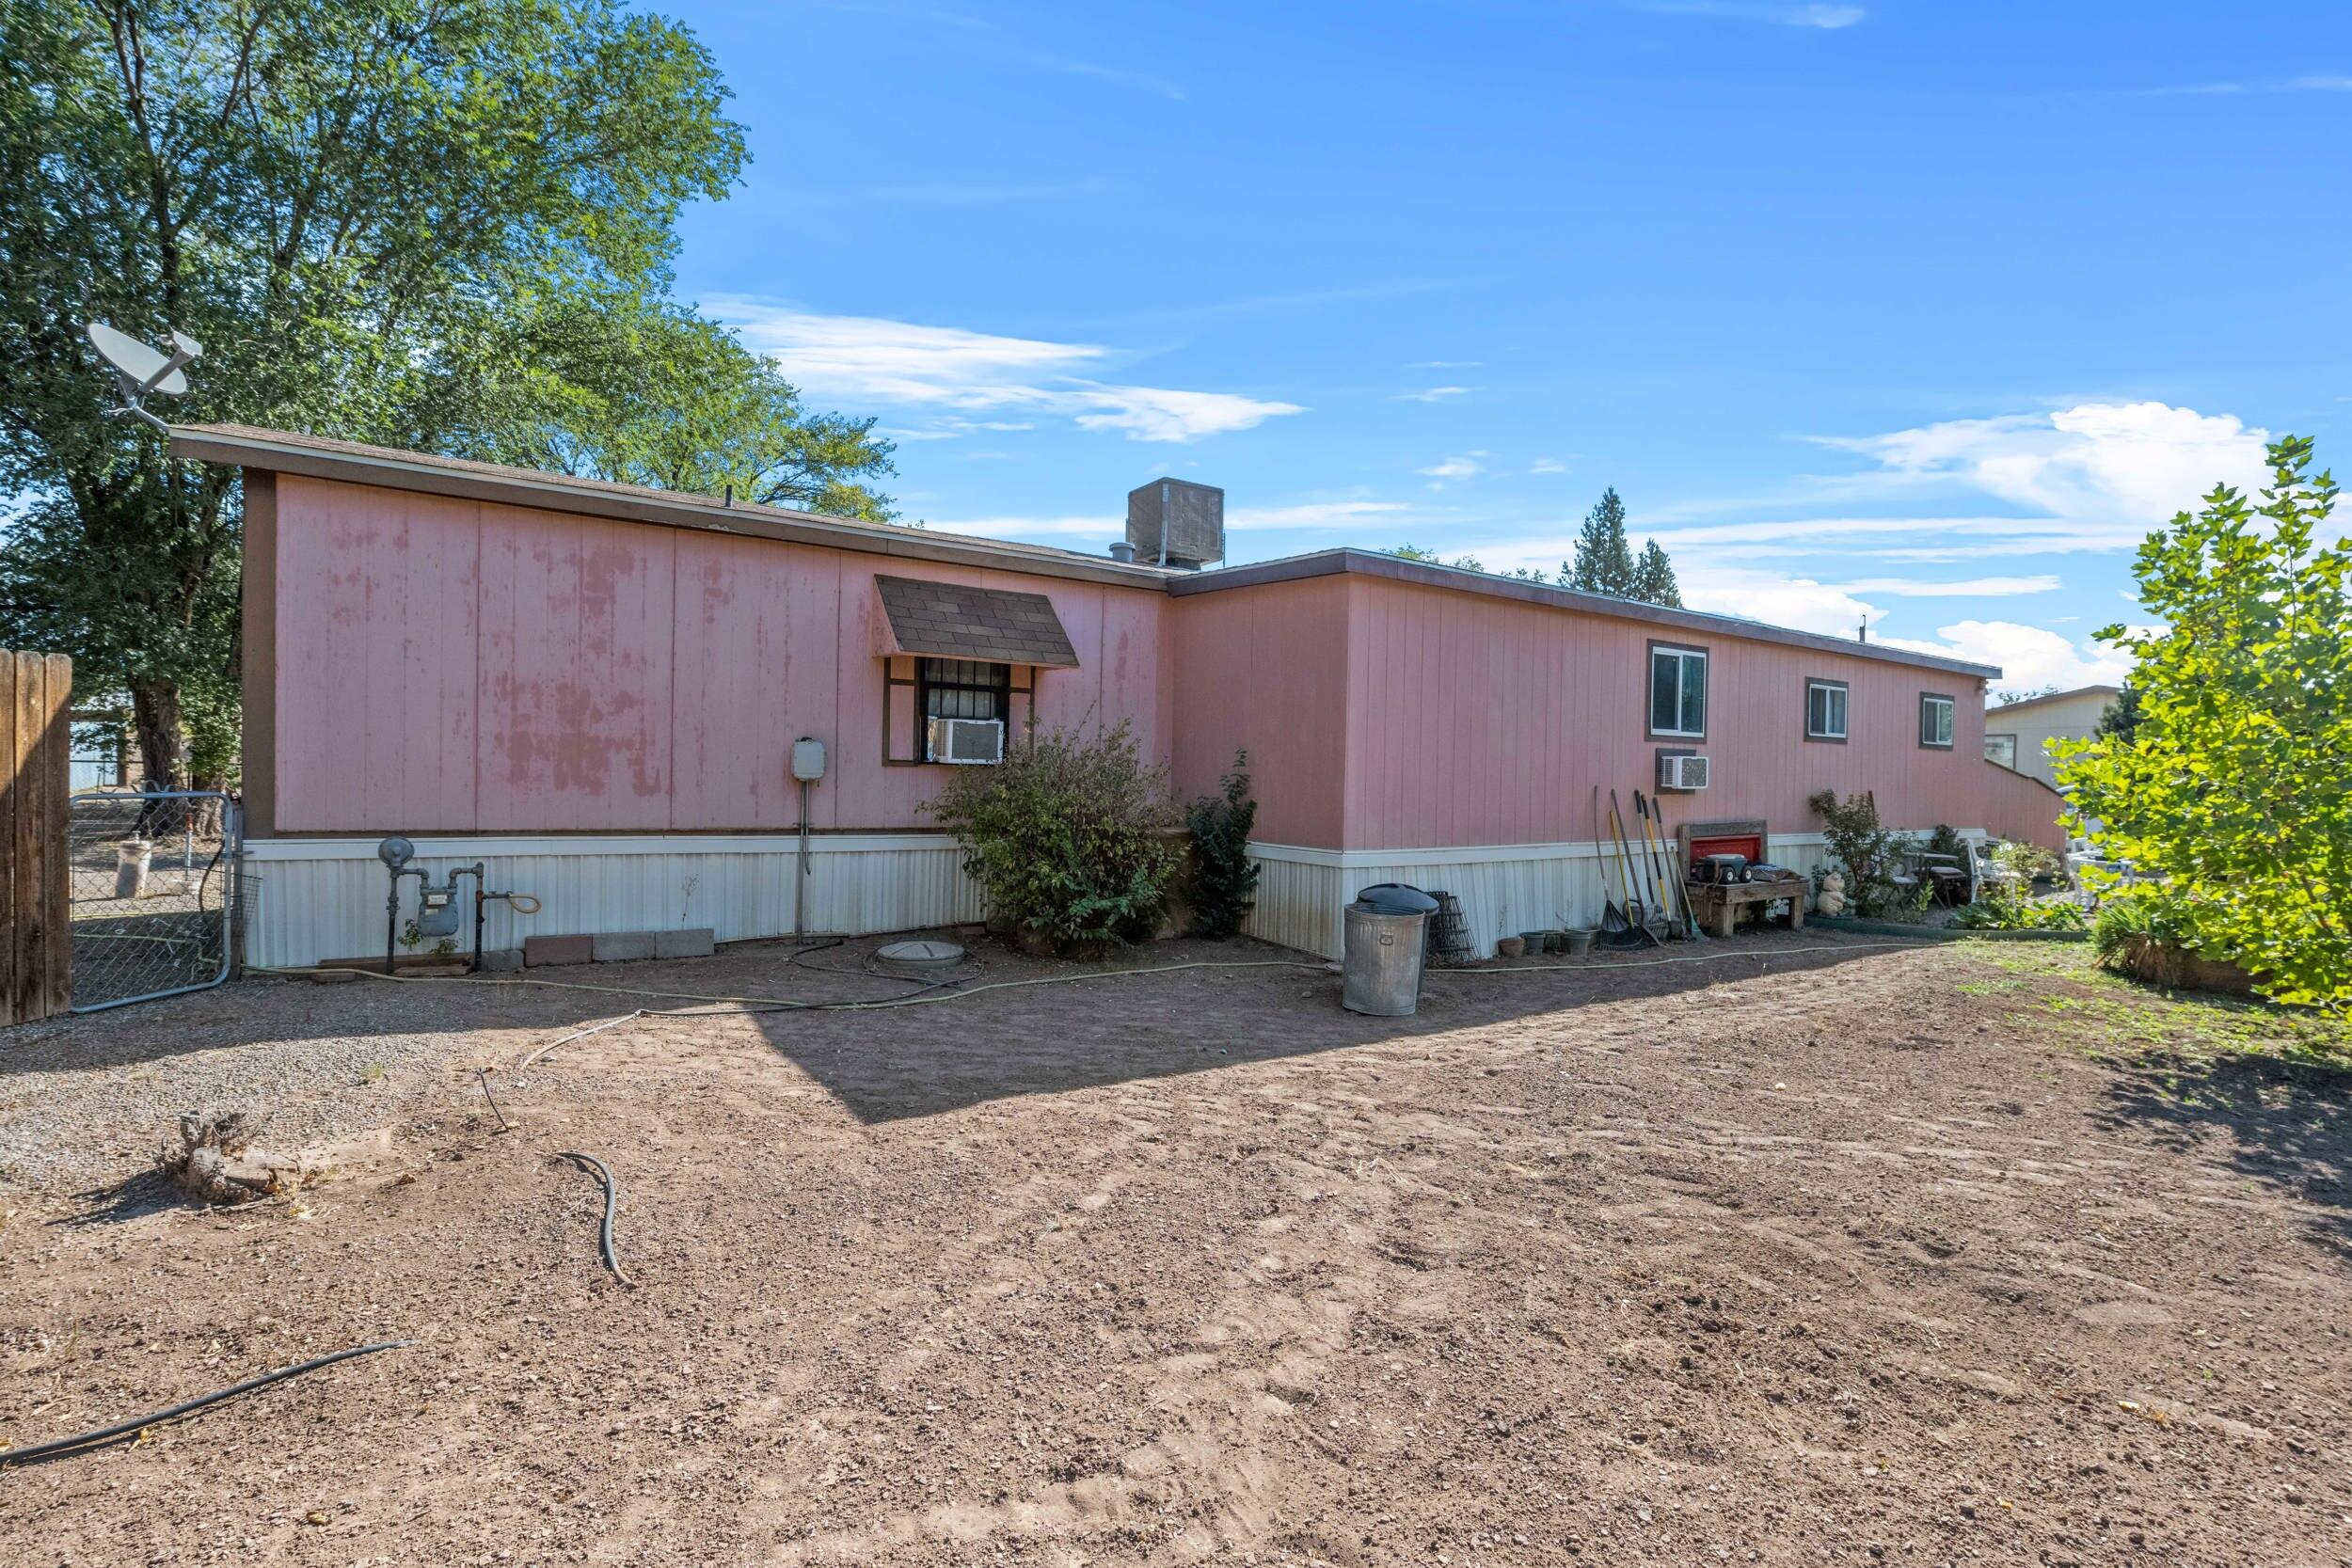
(944, 619)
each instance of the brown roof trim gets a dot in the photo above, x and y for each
(2055, 697)
(1371, 564)
(280, 452)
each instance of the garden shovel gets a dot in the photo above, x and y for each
(1613, 925)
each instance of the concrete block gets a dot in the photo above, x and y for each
(698, 942)
(501, 960)
(558, 950)
(620, 946)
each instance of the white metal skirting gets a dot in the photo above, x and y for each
(323, 898)
(1505, 888)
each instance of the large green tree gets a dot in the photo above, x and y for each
(1605, 561)
(2233, 786)
(1654, 578)
(440, 224)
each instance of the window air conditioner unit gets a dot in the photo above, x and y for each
(965, 741)
(1686, 771)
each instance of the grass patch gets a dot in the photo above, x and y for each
(2081, 1006)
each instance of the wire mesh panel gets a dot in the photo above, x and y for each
(153, 877)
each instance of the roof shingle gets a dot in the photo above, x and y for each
(946, 619)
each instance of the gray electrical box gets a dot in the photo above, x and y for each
(808, 759)
(1174, 522)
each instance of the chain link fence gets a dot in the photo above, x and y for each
(153, 893)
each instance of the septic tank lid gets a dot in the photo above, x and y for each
(1396, 898)
(923, 955)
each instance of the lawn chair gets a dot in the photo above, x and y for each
(1946, 879)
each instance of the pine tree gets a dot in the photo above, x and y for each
(1654, 579)
(1604, 562)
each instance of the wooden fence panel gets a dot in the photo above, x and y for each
(36, 917)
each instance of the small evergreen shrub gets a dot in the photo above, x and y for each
(1224, 877)
(1072, 838)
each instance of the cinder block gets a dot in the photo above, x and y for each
(501, 960)
(620, 946)
(558, 950)
(697, 942)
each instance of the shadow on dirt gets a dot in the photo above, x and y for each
(2285, 1124)
(899, 1063)
(1240, 1001)
(149, 1192)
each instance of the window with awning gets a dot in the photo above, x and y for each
(957, 652)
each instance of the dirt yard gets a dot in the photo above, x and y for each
(1815, 1253)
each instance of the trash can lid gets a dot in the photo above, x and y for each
(1396, 898)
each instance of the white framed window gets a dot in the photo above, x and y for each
(1678, 691)
(1935, 720)
(2001, 749)
(1825, 710)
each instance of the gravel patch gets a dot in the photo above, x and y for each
(85, 1099)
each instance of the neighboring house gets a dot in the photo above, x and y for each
(102, 756)
(595, 689)
(2018, 734)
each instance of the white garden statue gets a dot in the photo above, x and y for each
(1831, 900)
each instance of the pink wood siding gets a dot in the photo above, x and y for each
(454, 666)
(1481, 720)
(374, 683)
(2022, 806)
(1264, 668)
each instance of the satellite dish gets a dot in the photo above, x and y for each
(140, 371)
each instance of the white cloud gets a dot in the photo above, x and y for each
(1309, 515)
(1827, 17)
(2028, 656)
(2107, 472)
(1782, 601)
(1456, 467)
(1548, 466)
(1246, 519)
(1157, 414)
(869, 360)
(1433, 394)
(1968, 588)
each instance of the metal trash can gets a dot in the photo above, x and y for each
(1386, 933)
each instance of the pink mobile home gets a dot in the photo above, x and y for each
(595, 689)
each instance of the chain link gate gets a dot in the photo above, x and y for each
(154, 892)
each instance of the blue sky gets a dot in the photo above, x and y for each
(1918, 313)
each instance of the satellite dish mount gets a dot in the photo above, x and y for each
(141, 371)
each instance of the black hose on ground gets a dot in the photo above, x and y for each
(481, 1076)
(612, 1202)
(63, 1446)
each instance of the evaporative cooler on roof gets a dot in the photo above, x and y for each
(1173, 522)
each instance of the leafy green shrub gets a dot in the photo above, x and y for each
(2001, 907)
(2234, 786)
(1868, 853)
(1072, 839)
(2028, 862)
(1224, 877)
(1945, 840)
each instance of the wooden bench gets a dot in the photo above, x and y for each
(1718, 904)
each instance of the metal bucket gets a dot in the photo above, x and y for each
(1382, 968)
